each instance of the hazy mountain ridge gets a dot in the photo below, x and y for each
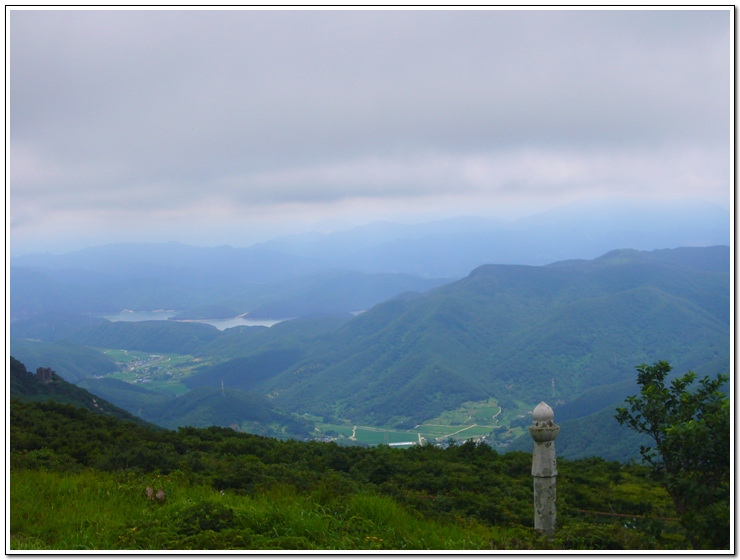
(454, 247)
(36, 292)
(580, 324)
(518, 332)
(286, 274)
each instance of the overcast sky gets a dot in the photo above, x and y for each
(219, 127)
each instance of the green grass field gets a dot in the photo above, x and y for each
(470, 420)
(110, 511)
(377, 436)
(478, 412)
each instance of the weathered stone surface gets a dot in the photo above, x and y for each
(544, 467)
(543, 459)
(544, 504)
(542, 414)
(44, 375)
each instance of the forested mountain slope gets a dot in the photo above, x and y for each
(47, 386)
(70, 360)
(515, 333)
(201, 407)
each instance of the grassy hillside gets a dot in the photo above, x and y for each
(225, 490)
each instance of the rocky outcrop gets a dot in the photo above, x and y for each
(44, 375)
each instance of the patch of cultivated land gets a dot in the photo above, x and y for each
(154, 371)
(485, 412)
(472, 420)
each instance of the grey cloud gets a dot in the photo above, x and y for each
(261, 106)
(263, 78)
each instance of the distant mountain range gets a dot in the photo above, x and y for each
(201, 289)
(389, 327)
(570, 333)
(346, 271)
(452, 248)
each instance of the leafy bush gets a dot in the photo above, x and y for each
(229, 490)
(205, 516)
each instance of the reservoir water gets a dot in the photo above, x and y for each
(220, 324)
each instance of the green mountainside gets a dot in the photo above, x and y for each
(513, 332)
(239, 342)
(71, 360)
(593, 435)
(569, 333)
(148, 336)
(130, 396)
(48, 386)
(204, 406)
(247, 372)
(200, 407)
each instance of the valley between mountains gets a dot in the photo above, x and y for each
(427, 359)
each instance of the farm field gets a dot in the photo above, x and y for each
(471, 420)
(154, 371)
(479, 412)
(369, 435)
(377, 436)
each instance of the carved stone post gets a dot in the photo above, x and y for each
(544, 467)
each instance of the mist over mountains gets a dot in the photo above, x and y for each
(392, 325)
(346, 271)
(452, 248)
(444, 248)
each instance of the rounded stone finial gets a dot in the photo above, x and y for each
(543, 428)
(542, 413)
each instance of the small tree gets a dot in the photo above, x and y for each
(691, 456)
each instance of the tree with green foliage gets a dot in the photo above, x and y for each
(691, 456)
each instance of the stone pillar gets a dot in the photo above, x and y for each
(544, 468)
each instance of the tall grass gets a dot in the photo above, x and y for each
(93, 510)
